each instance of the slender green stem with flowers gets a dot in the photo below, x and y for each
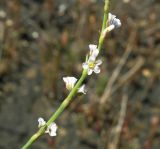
(91, 65)
(104, 23)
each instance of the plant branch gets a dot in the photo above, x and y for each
(73, 92)
(104, 24)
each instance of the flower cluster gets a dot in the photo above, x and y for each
(92, 65)
(51, 129)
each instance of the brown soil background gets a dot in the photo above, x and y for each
(42, 41)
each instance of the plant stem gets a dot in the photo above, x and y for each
(73, 92)
(34, 137)
(61, 108)
(104, 24)
(66, 102)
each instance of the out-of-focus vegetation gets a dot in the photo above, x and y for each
(42, 41)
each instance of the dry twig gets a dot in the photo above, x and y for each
(108, 89)
(117, 130)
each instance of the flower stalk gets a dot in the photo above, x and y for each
(104, 24)
(75, 89)
(61, 108)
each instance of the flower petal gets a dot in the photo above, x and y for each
(82, 89)
(92, 47)
(51, 129)
(114, 21)
(91, 58)
(90, 71)
(41, 122)
(70, 82)
(118, 23)
(98, 62)
(93, 50)
(96, 69)
(52, 134)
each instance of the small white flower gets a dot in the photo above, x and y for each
(93, 52)
(70, 82)
(93, 49)
(92, 66)
(114, 21)
(82, 89)
(51, 129)
(41, 122)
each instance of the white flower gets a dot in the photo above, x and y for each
(70, 82)
(114, 21)
(41, 122)
(82, 89)
(92, 66)
(93, 52)
(51, 129)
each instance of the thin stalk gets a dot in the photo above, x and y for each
(73, 92)
(66, 102)
(104, 24)
(61, 108)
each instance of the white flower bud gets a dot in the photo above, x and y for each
(113, 21)
(70, 82)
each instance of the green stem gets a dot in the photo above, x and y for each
(61, 108)
(66, 102)
(34, 137)
(104, 24)
(73, 92)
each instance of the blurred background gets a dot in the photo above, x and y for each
(42, 41)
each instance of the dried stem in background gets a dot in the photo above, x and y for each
(108, 89)
(118, 129)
